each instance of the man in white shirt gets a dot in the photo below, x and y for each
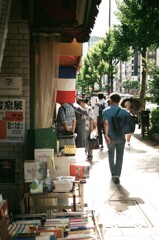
(93, 100)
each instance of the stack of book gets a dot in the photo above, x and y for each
(81, 227)
(78, 225)
(22, 227)
(62, 226)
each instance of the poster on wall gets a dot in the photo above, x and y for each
(10, 86)
(12, 120)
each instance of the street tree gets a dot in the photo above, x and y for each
(113, 50)
(93, 69)
(130, 85)
(153, 83)
(153, 96)
(139, 29)
(103, 58)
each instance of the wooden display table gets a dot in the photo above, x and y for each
(74, 194)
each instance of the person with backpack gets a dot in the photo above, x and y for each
(98, 117)
(66, 124)
(115, 136)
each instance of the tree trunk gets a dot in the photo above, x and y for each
(111, 81)
(92, 88)
(109, 91)
(143, 81)
(100, 84)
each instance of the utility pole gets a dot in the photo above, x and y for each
(109, 72)
(109, 13)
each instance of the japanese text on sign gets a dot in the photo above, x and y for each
(12, 120)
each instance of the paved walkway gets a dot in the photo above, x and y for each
(129, 211)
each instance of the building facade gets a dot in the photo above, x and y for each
(29, 71)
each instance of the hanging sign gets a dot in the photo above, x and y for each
(12, 120)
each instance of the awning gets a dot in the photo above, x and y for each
(71, 18)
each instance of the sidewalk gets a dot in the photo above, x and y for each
(130, 210)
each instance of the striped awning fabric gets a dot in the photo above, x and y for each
(66, 85)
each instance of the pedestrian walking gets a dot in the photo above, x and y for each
(93, 100)
(115, 140)
(81, 115)
(98, 117)
(89, 127)
(130, 110)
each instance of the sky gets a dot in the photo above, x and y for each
(102, 21)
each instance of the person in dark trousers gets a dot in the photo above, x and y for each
(66, 121)
(89, 127)
(81, 115)
(115, 140)
(98, 117)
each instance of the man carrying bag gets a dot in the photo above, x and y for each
(115, 139)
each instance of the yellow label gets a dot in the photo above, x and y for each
(69, 149)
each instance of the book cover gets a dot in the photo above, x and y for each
(59, 232)
(79, 170)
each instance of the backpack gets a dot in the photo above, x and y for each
(116, 120)
(100, 113)
(129, 123)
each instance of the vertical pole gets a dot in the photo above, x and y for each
(109, 73)
(109, 13)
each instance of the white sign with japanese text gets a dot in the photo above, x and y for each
(10, 86)
(12, 120)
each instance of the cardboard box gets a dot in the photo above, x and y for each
(43, 154)
(61, 166)
(79, 170)
(35, 169)
(41, 138)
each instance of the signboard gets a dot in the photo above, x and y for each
(10, 86)
(12, 120)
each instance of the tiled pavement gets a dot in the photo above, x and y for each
(129, 211)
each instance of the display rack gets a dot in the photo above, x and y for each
(41, 202)
(62, 226)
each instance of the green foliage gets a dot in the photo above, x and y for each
(131, 84)
(154, 122)
(113, 47)
(113, 51)
(139, 23)
(153, 83)
(139, 27)
(102, 59)
(93, 68)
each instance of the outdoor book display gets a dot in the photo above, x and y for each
(46, 215)
(41, 202)
(67, 175)
(62, 226)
